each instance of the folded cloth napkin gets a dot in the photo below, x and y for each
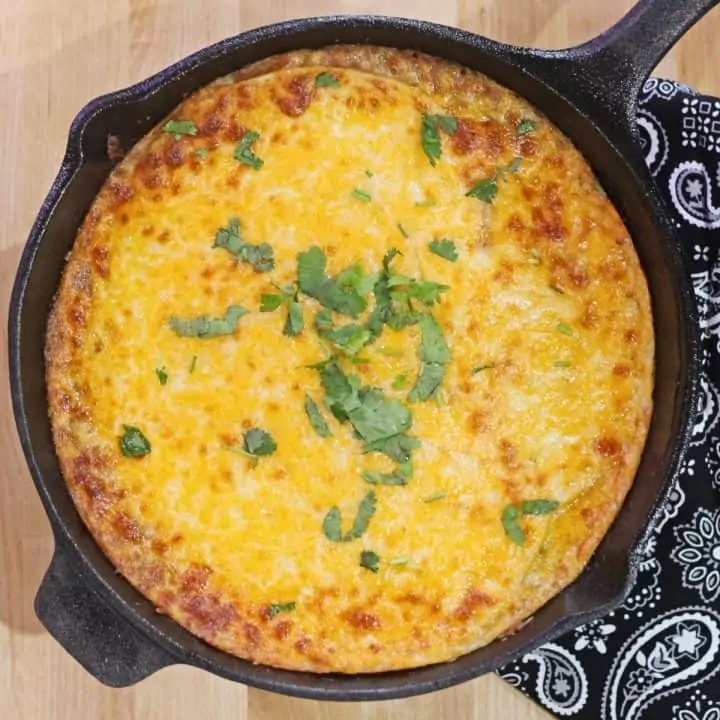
(658, 655)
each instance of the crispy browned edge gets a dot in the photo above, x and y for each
(188, 596)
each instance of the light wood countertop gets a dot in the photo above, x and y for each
(54, 56)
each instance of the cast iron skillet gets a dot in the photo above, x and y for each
(589, 92)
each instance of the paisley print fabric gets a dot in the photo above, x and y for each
(657, 656)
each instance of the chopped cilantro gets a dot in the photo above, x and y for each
(230, 238)
(350, 339)
(514, 165)
(403, 288)
(316, 418)
(562, 364)
(389, 352)
(433, 497)
(430, 134)
(399, 382)
(193, 363)
(433, 347)
(275, 609)
(256, 444)
(161, 375)
(359, 194)
(370, 560)
(327, 79)
(244, 152)
(378, 417)
(511, 516)
(269, 302)
(133, 443)
(428, 383)
(526, 126)
(180, 127)
(332, 524)
(394, 478)
(315, 283)
(484, 190)
(403, 231)
(369, 173)
(444, 248)
(206, 327)
(564, 328)
(295, 322)
(397, 447)
(403, 562)
(480, 368)
(202, 152)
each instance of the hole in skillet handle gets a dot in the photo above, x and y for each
(93, 634)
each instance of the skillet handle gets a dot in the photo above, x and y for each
(610, 70)
(93, 634)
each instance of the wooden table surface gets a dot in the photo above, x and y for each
(54, 56)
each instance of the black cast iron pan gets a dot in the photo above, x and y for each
(589, 92)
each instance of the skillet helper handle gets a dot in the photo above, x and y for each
(610, 70)
(93, 634)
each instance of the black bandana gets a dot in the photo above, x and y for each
(658, 655)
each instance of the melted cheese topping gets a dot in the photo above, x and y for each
(547, 290)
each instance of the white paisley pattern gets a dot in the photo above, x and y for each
(697, 707)
(692, 189)
(562, 685)
(698, 551)
(673, 652)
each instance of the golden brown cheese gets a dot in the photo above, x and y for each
(547, 295)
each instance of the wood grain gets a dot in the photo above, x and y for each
(53, 58)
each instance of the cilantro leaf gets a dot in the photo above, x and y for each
(258, 442)
(370, 560)
(378, 417)
(538, 507)
(403, 231)
(349, 338)
(399, 382)
(428, 382)
(295, 321)
(514, 165)
(444, 248)
(202, 152)
(394, 478)
(244, 152)
(359, 194)
(206, 327)
(397, 447)
(275, 609)
(403, 288)
(180, 127)
(433, 347)
(326, 79)
(355, 278)
(485, 190)
(433, 497)
(230, 238)
(133, 443)
(193, 364)
(430, 135)
(161, 375)
(316, 419)
(480, 368)
(332, 524)
(269, 302)
(526, 126)
(511, 524)
(401, 319)
(564, 328)
(314, 282)
(341, 393)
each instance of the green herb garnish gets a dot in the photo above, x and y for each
(295, 322)
(434, 354)
(444, 248)
(180, 127)
(403, 231)
(269, 302)
(327, 79)
(332, 524)
(359, 194)
(434, 497)
(202, 152)
(430, 134)
(526, 126)
(393, 478)
(562, 364)
(162, 376)
(514, 165)
(244, 152)
(206, 327)
(369, 173)
(397, 447)
(480, 368)
(193, 363)
(370, 560)
(316, 418)
(511, 516)
(485, 190)
(133, 443)
(564, 328)
(258, 443)
(230, 238)
(428, 383)
(275, 609)
(399, 382)
(314, 282)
